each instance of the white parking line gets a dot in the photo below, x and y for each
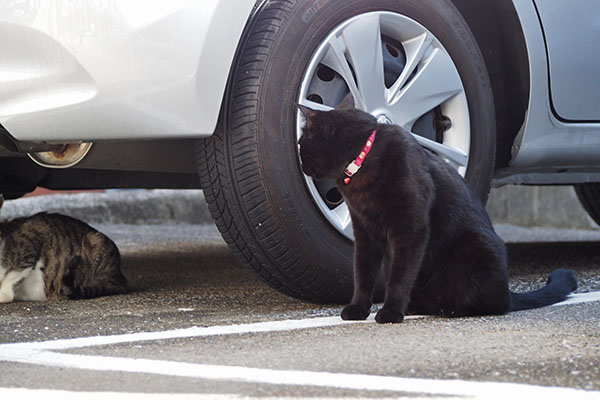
(45, 394)
(438, 387)
(258, 327)
(580, 298)
(460, 388)
(46, 354)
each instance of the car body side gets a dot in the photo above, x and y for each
(115, 70)
(144, 86)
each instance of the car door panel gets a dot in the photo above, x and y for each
(574, 56)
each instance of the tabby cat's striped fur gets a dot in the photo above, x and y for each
(52, 256)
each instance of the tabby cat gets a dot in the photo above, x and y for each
(414, 216)
(53, 256)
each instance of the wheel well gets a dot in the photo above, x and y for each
(497, 29)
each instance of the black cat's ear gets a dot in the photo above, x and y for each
(307, 112)
(348, 103)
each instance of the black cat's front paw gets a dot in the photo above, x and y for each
(387, 315)
(354, 312)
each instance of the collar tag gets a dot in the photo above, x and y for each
(355, 165)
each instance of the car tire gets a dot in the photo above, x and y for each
(249, 169)
(589, 197)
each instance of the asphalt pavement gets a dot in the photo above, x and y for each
(197, 324)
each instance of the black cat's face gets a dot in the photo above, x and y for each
(332, 139)
(316, 144)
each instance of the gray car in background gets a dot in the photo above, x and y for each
(154, 94)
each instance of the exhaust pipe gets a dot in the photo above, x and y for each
(49, 155)
(62, 155)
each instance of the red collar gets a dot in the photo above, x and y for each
(355, 165)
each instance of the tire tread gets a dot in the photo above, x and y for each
(253, 210)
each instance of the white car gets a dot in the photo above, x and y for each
(154, 93)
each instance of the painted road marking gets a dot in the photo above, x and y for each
(580, 298)
(46, 394)
(46, 354)
(258, 327)
(489, 390)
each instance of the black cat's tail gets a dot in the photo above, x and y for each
(559, 285)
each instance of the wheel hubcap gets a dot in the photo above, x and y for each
(398, 71)
(384, 119)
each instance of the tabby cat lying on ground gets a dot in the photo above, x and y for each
(52, 256)
(415, 216)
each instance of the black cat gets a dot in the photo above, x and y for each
(414, 215)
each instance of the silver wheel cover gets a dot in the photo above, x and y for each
(398, 71)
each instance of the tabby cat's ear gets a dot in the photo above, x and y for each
(347, 103)
(1, 201)
(307, 112)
